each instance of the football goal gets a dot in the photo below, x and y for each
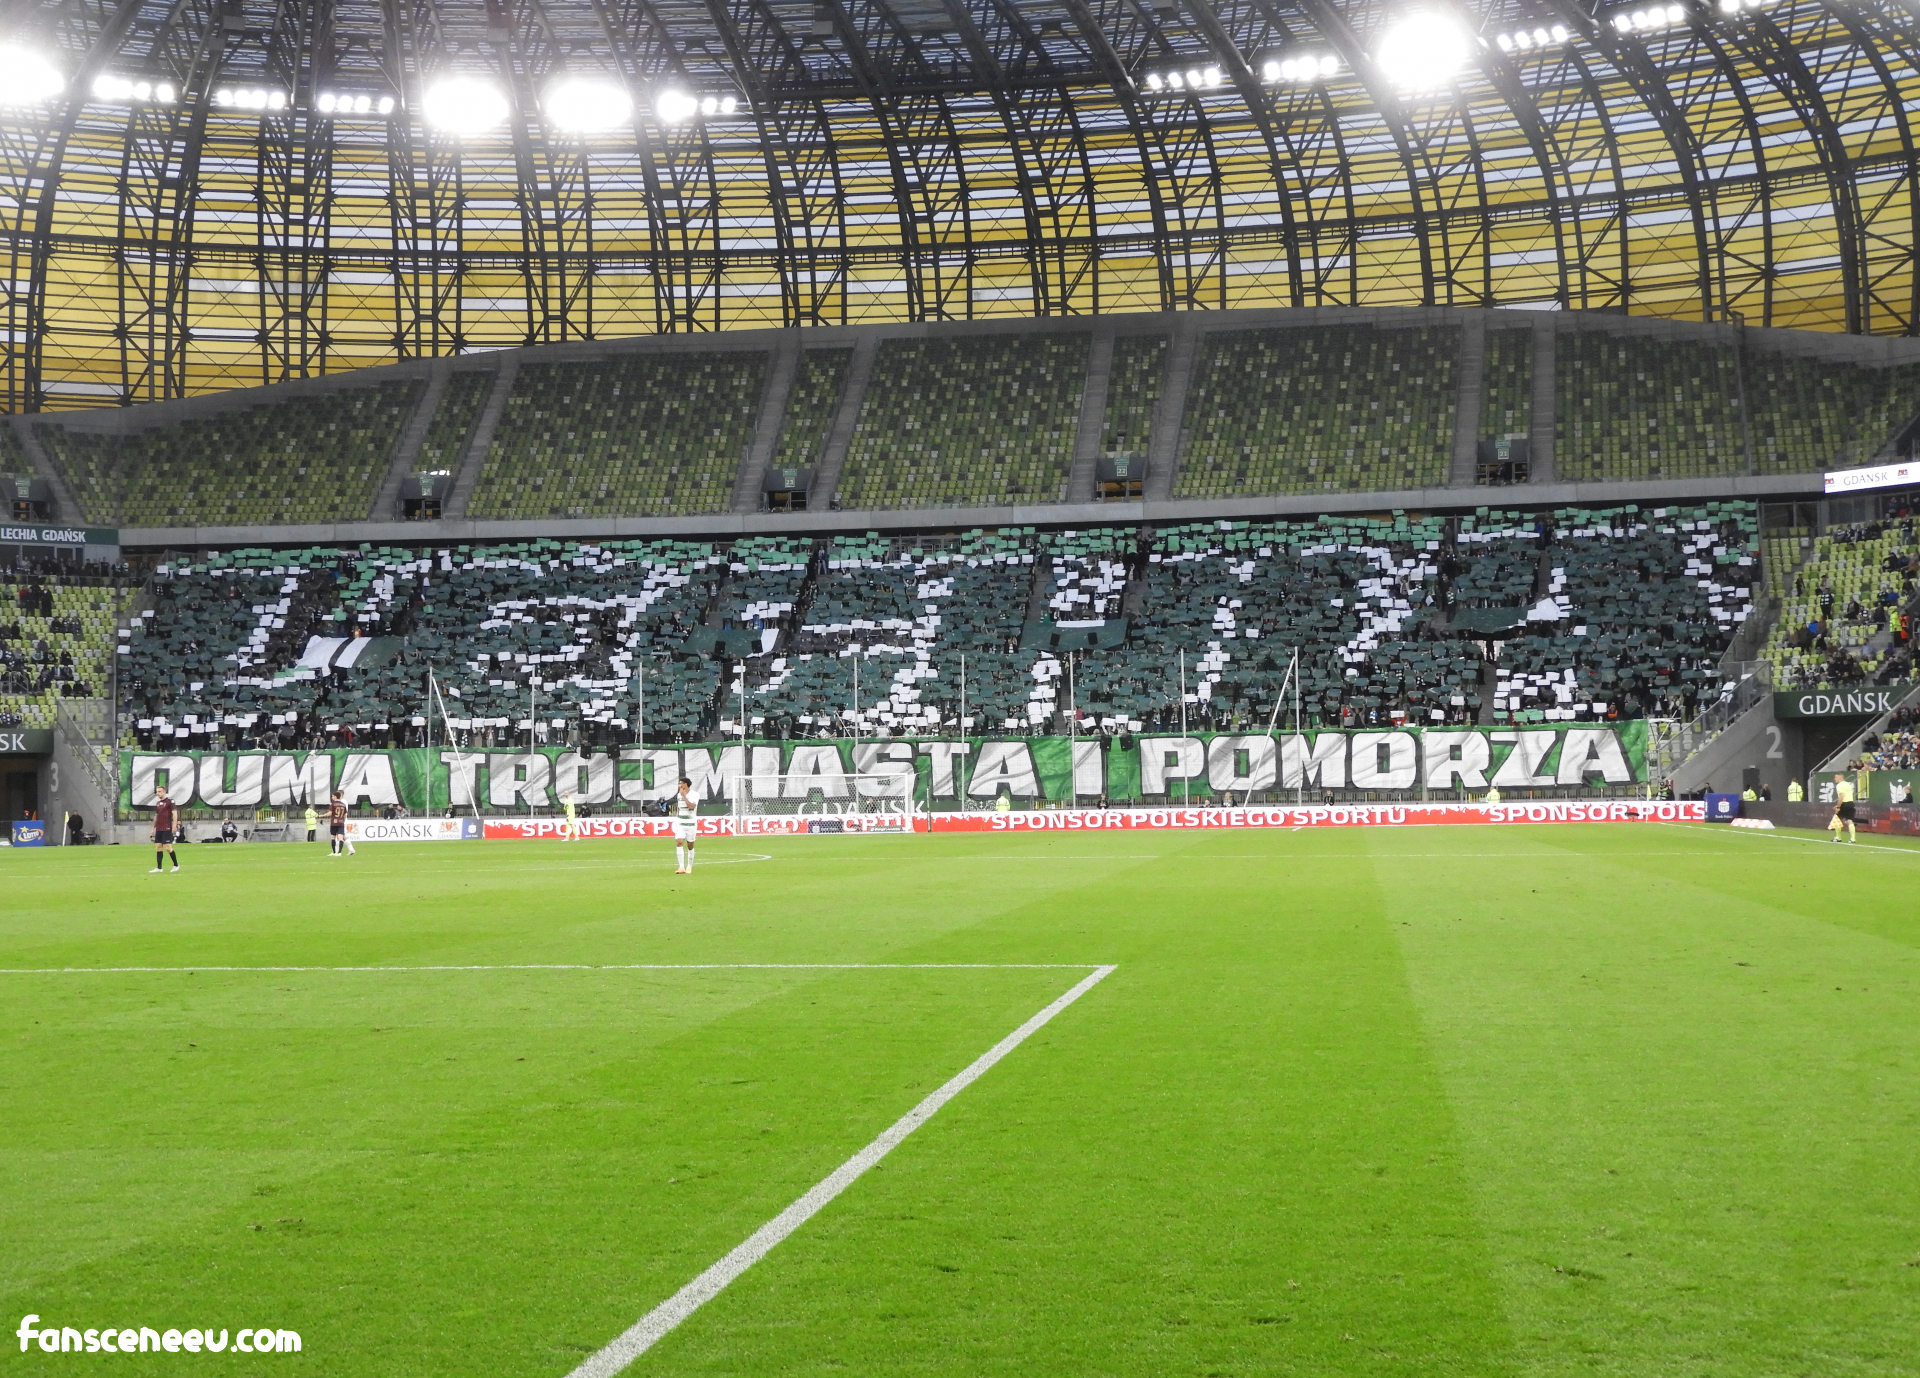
(825, 803)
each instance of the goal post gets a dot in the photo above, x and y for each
(825, 803)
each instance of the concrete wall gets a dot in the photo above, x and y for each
(730, 524)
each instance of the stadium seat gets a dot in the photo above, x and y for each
(307, 459)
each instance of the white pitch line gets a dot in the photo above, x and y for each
(651, 1328)
(588, 966)
(1878, 848)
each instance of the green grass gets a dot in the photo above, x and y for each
(1575, 1100)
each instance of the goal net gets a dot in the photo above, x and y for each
(824, 803)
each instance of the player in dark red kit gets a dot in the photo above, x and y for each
(164, 822)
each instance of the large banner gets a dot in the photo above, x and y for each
(1198, 769)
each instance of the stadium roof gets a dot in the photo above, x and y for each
(199, 194)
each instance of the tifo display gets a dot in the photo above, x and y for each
(1496, 617)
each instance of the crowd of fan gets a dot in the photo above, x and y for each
(1583, 615)
(1847, 620)
(1895, 747)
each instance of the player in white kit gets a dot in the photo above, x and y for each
(686, 827)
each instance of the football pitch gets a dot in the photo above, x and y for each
(1636, 1099)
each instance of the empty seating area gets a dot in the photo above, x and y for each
(1640, 407)
(818, 381)
(1319, 409)
(1506, 407)
(1813, 414)
(1840, 622)
(453, 421)
(662, 434)
(970, 419)
(316, 458)
(1133, 393)
(967, 421)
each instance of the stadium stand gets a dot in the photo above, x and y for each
(1636, 407)
(1572, 615)
(906, 614)
(655, 433)
(1635, 611)
(56, 638)
(590, 628)
(1507, 407)
(1133, 391)
(315, 458)
(810, 406)
(967, 421)
(1312, 409)
(1842, 621)
(453, 420)
(1352, 595)
(1812, 414)
(1646, 408)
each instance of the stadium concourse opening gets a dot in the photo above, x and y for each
(1064, 687)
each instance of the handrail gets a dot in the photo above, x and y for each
(87, 746)
(1840, 759)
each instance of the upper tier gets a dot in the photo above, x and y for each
(1200, 406)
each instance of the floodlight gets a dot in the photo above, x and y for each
(585, 104)
(1329, 65)
(1269, 71)
(675, 107)
(464, 105)
(1194, 78)
(27, 77)
(729, 104)
(1423, 51)
(386, 105)
(1212, 74)
(710, 106)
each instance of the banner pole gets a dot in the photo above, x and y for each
(532, 698)
(1073, 736)
(1186, 782)
(1300, 786)
(1273, 720)
(963, 732)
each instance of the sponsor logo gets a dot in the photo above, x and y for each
(29, 834)
(1325, 816)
